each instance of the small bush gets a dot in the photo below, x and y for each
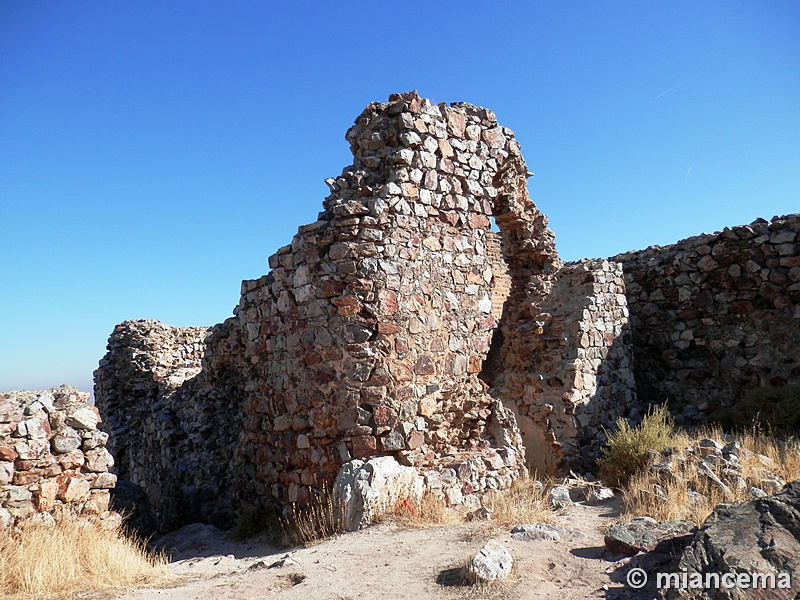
(775, 410)
(628, 448)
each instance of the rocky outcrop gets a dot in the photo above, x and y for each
(642, 534)
(53, 459)
(759, 536)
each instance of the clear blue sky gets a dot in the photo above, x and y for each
(153, 154)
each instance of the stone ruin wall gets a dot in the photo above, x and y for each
(53, 460)
(400, 324)
(173, 429)
(715, 315)
(368, 335)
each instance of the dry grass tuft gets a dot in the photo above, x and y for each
(429, 511)
(70, 557)
(316, 520)
(526, 501)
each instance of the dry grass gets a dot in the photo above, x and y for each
(429, 511)
(525, 502)
(316, 520)
(57, 562)
(671, 495)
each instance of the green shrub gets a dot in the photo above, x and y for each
(627, 449)
(774, 410)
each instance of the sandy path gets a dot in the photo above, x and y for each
(386, 561)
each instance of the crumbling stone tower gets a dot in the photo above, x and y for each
(369, 333)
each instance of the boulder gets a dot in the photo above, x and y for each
(758, 536)
(642, 534)
(491, 562)
(363, 491)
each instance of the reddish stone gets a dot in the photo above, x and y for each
(424, 366)
(477, 221)
(401, 345)
(329, 288)
(415, 439)
(388, 328)
(7, 453)
(46, 496)
(363, 446)
(26, 477)
(388, 302)
(73, 489)
(71, 460)
(475, 364)
(348, 306)
(312, 358)
(456, 123)
(742, 307)
(384, 415)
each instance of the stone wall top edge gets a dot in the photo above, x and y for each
(690, 243)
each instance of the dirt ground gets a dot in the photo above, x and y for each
(389, 561)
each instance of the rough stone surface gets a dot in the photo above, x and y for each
(715, 315)
(363, 491)
(537, 531)
(46, 471)
(758, 536)
(642, 534)
(171, 432)
(492, 562)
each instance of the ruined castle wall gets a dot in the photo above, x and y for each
(53, 460)
(398, 323)
(171, 432)
(716, 314)
(368, 335)
(572, 360)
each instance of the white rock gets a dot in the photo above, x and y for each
(363, 491)
(537, 531)
(491, 562)
(83, 418)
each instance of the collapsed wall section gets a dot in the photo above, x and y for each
(53, 460)
(715, 315)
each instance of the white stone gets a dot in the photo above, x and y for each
(491, 562)
(363, 491)
(83, 418)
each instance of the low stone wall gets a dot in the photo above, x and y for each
(715, 315)
(53, 460)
